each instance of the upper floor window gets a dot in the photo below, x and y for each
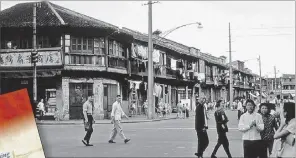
(99, 46)
(82, 44)
(43, 42)
(116, 49)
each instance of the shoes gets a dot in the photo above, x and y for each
(196, 154)
(126, 140)
(111, 141)
(86, 143)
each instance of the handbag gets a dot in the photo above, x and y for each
(86, 126)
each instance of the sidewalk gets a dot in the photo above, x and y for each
(135, 119)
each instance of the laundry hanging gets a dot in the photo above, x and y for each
(173, 64)
(156, 55)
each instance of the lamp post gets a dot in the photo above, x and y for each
(150, 98)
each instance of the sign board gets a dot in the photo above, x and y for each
(7, 155)
(23, 58)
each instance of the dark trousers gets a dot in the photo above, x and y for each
(238, 114)
(253, 149)
(222, 140)
(90, 131)
(203, 142)
(267, 145)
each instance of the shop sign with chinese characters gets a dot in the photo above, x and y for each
(23, 58)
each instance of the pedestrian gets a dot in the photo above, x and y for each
(251, 124)
(270, 126)
(187, 110)
(285, 135)
(116, 115)
(239, 109)
(41, 109)
(146, 107)
(88, 109)
(201, 126)
(221, 124)
(179, 108)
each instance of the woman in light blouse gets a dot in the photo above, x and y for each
(288, 127)
(251, 124)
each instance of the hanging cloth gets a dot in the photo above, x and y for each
(173, 64)
(156, 55)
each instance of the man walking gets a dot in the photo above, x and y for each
(201, 126)
(221, 124)
(116, 115)
(88, 119)
(41, 109)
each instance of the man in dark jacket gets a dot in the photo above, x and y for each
(201, 126)
(221, 124)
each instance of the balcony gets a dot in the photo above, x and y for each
(78, 61)
(209, 79)
(117, 62)
(141, 68)
(21, 58)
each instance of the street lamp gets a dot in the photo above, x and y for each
(150, 98)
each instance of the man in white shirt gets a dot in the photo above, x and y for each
(116, 115)
(41, 109)
(251, 124)
(88, 109)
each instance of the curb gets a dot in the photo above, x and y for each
(80, 123)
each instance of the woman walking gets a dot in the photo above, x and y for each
(270, 126)
(285, 135)
(251, 124)
(221, 124)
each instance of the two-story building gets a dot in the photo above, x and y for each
(78, 56)
(81, 56)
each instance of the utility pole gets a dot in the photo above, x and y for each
(275, 87)
(150, 65)
(260, 99)
(230, 72)
(34, 53)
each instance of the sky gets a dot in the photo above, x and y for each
(265, 28)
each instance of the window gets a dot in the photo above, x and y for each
(82, 45)
(99, 46)
(182, 94)
(43, 42)
(116, 49)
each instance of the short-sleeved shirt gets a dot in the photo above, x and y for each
(290, 151)
(87, 106)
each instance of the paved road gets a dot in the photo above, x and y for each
(168, 138)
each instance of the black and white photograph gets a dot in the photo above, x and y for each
(205, 79)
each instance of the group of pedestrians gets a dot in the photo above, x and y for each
(116, 114)
(262, 137)
(182, 110)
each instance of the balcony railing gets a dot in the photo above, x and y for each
(84, 59)
(209, 79)
(171, 73)
(117, 62)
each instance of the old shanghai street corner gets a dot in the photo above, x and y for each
(79, 55)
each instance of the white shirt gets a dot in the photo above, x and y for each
(239, 106)
(41, 106)
(87, 107)
(117, 111)
(251, 133)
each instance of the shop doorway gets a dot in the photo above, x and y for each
(110, 93)
(78, 93)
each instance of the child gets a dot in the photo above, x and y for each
(56, 114)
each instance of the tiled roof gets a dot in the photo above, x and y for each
(49, 14)
(75, 19)
(21, 15)
(172, 45)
